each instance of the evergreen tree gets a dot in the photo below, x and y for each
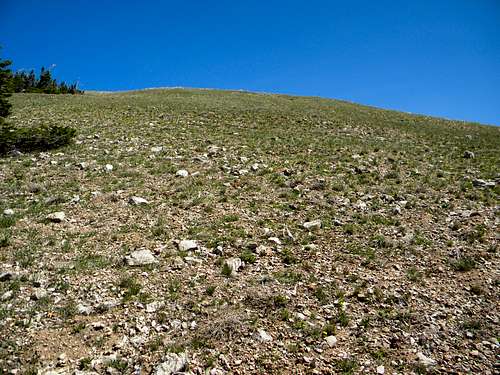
(5, 81)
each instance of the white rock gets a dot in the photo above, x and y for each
(331, 341)
(276, 240)
(56, 217)
(140, 258)
(154, 306)
(157, 149)
(380, 370)
(173, 364)
(39, 294)
(7, 295)
(424, 360)
(264, 336)
(186, 245)
(182, 173)
(255, 167)
(234, 265)
(137, 201)
(82, 165)
(8, 212)
(84, 309)
(312, 225)
(108, 167)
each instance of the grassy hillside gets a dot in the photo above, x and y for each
(400, 276)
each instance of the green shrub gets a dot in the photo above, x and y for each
(39, 138)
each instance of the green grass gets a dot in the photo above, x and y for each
(348, 164)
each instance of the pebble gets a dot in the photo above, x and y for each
(264, 336)
(182, 173)
(276, 240)
(157, 149)
(424, 360)
(312, 225)
(469, 155)
(173, 364)
(84, 309)
(331, 341)
(186, 245)
(234, 265)
(137, 201)
(39, 294)
(82, 165)
(140, 258)
(7, 295)
(380, 370)
(6, 276)
(56, 217)
(8, 212)
(108, 167)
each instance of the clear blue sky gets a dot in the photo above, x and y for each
(437, 57)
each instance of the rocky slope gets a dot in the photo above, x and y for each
(196, 231)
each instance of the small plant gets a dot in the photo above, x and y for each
(343, 318)
(248, 257)
(79, 327)
(119, 364)
(288, 257)
(174, 286)
(85, 363)
(68, 311)
(321, 294)
(413, 274)
(131, 286)
(349, 228)
(347, 366)
(226, 270)
(280, 300)
(210, 290)
(463, 264)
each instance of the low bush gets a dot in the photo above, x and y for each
(40, 138)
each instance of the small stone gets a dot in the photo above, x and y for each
(310, 246)
(39, 294)
(276, 240)
(300, 316)
(84, 309)
(154, 306)
(474, 353)
(157, 149)
(182, 173)
(424, 360)
(186, 245)
(381, 370)
(137, 201)
(312, 225)
(6, 276)
(140, 258)
(98, 326)
(331, 341)
(234, 265)
(477, 182)
(56, 217)
(82, 165)
(108, 167)
(255, 167)
(7, 295)
(8, 212)
(173, 364)
(264, 336)
(469, 155)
